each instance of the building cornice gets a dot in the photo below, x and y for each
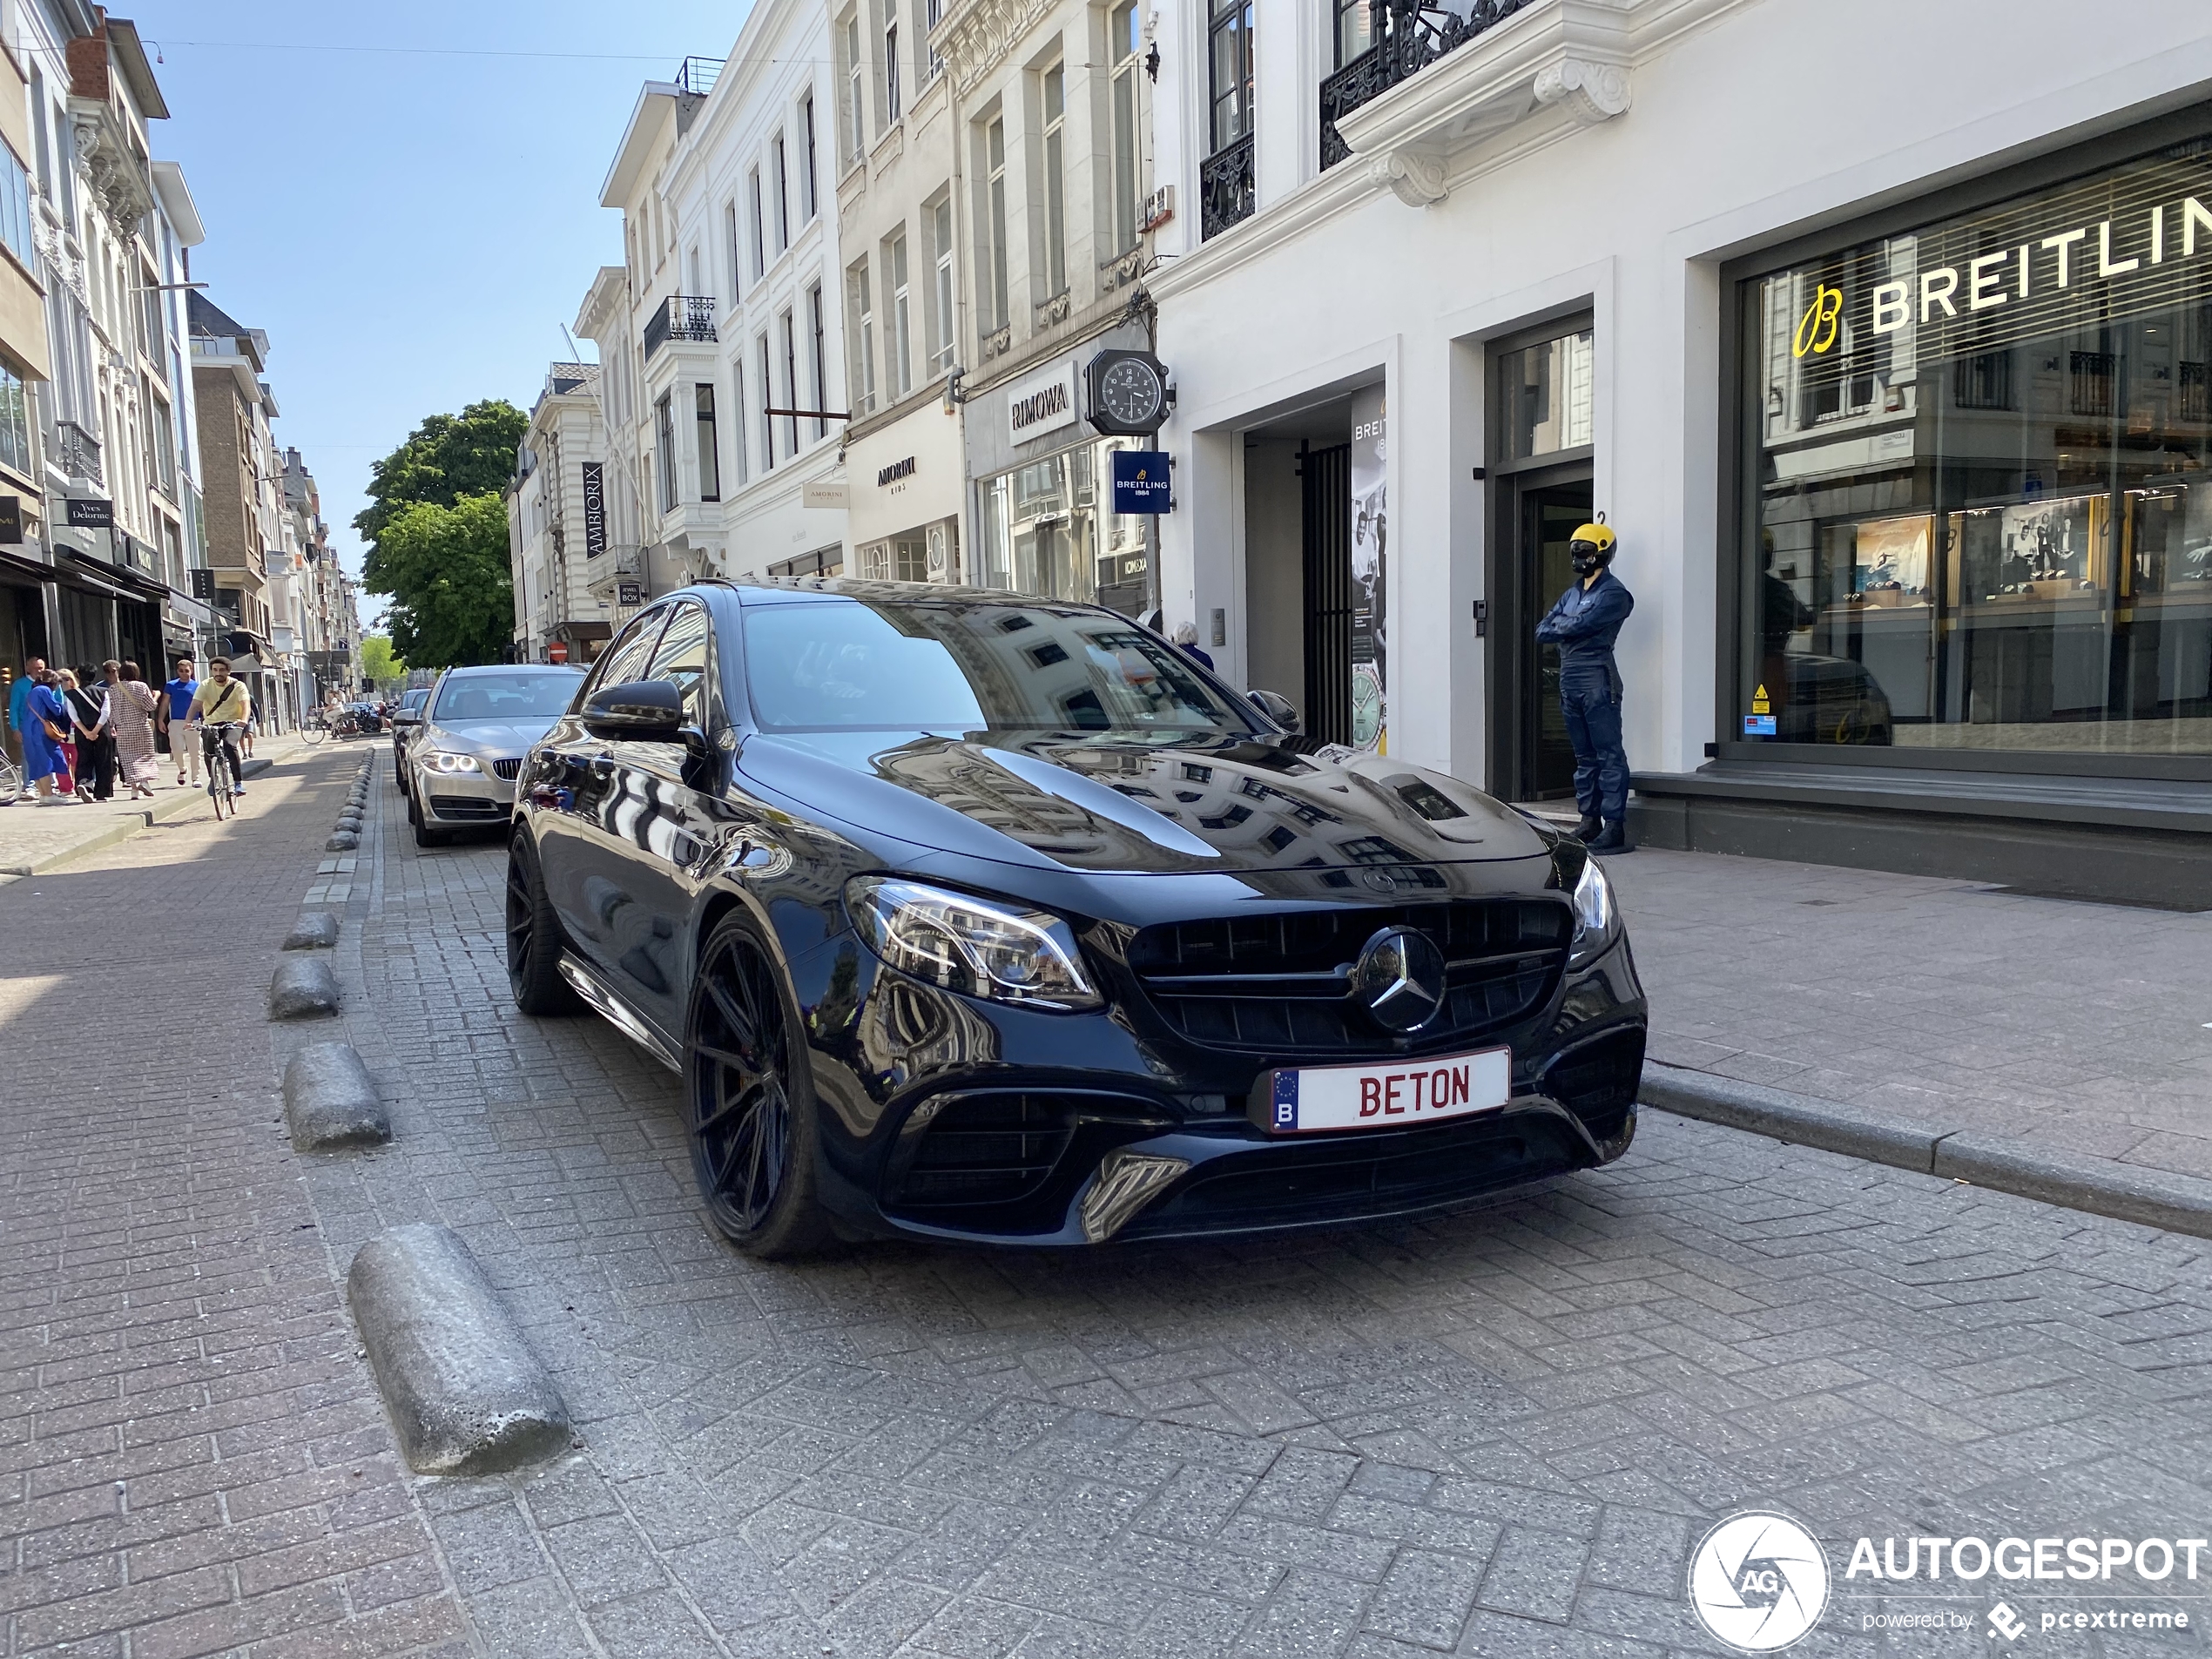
(975, 36)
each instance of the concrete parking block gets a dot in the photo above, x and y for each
(466, 1394)
(303, 987)
(342, 841)
(315, 930)
(331, 1101)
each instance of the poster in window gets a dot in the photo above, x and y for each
(1890, 560)
(1370, 568)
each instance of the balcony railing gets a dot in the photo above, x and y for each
(1226, 195)
(698, 74)
(681, 316)
(79, 452)
(1409, 36)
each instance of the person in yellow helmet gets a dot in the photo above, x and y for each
(1584, 625)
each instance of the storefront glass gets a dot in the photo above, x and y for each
(1979, 500)
(1048, 528)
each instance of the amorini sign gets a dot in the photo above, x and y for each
(1044, 403)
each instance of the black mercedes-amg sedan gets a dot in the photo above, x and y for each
(968, 915)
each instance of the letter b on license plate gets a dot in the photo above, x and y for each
(1404, 1092)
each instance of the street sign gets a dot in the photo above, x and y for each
(595, 510)
(630, 593)
(556, 650)
(1141, 482)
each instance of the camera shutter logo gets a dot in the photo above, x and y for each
(1758, 1581)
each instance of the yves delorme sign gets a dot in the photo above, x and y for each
(2129, 240)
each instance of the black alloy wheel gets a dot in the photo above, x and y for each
(749, 1103)
(533, 938)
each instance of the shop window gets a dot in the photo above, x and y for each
(1980, 482)
(1047, 529)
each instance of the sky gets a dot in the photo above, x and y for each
(411, 227)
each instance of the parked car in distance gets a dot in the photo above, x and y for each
(476, 726)
(407, 720)
(965, 915)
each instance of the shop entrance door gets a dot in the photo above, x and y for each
(1551, 507)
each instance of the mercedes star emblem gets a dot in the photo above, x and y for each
(1400, 976)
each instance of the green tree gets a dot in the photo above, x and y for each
(381, 665)
(451, 596)
(446, 569)
(447, 457)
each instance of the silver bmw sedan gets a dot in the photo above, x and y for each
(479, 724)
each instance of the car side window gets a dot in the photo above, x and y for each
(626, 659)
(682, 661)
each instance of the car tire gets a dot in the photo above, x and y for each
(749, 1109)
(424, 835)
(533, 938)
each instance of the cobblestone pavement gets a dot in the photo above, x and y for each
(2087, 1027)
(1497, 1434)
(192, 1459)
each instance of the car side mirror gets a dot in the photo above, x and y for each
(1277, 708)
(645, 711)
(405, 717)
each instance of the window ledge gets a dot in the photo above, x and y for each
(1550, 57)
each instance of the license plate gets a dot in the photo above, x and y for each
(1395, 1095)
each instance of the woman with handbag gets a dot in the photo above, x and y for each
(134, 702)
(45, 724)
(90, 720)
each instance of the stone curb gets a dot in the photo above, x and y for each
(466, 1394)
(303, 987)
(342, 841)
(315, 930)
(2071, 1180)
(330, 1100)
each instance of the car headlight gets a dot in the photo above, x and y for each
(972, 946)
(446, 760)
(1597, 914)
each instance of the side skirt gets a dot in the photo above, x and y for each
(617, 1013)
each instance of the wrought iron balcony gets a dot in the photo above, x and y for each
(79, 453)
(1409, 36)
(1226, 193)
(681, 316)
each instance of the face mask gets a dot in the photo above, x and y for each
(1585, 558)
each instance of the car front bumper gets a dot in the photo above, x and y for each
(453, 799)
(951, 1119)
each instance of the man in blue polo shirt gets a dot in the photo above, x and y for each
(184, 744)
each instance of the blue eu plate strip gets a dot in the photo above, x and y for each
(1286, 1100)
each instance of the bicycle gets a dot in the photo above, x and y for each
(316, 727)
(11, 781)
(219, 744)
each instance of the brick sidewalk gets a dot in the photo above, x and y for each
(193, 1459)
(34, 838)
(1919, 1000)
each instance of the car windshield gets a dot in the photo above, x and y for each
(945, 667)
(521, 696)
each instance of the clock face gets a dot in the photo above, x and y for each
(1131, 391)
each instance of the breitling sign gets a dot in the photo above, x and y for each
(2120, 243)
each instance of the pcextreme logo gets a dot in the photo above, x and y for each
(1758, 1581)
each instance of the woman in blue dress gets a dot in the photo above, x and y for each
(42, 761)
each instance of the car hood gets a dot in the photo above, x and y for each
(500, 739)
(1124, 805)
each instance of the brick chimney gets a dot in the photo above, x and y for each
(89, 60)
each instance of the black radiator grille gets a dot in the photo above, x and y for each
(466, 806)
(510, 770)
(1280, 983)
(987, 1149)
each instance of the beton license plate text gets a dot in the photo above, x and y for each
(1397, 1095)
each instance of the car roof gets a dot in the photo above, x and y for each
(787, 590)
(474, 669)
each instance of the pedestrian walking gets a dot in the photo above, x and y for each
(34, 670)
(1186, 641)
(1584, 625)
(42, 725)
(69, 780)
(176, 720)
(134, 702)
(89, 718)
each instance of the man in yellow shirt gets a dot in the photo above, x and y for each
(222, 701)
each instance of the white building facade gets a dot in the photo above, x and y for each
(1881, 345)
(556, 521)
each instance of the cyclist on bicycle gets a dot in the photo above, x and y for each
(220, 708)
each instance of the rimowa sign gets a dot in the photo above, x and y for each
(2130, 240)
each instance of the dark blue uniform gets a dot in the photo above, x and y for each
(1584, 624)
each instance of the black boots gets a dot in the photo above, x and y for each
(1587, 830)
(1613, 838)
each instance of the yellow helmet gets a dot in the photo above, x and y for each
(1600, 536)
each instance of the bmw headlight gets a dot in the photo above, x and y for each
(446, 760)
(1597, 914)
(972, 946)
